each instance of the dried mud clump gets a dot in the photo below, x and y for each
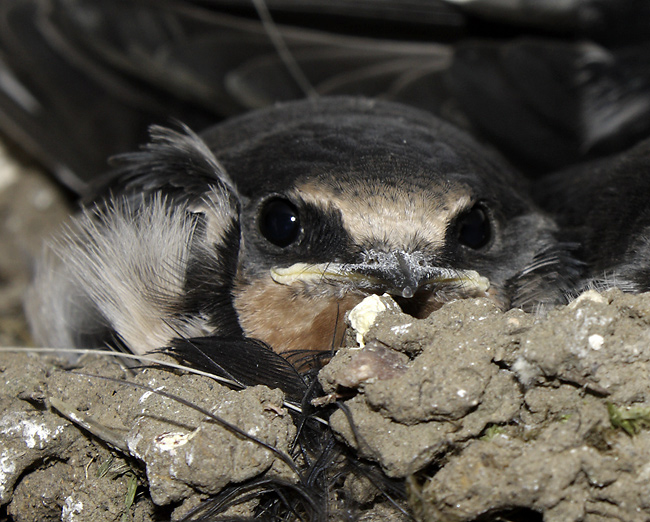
(176, 452)
(496, 415)
(484, 415)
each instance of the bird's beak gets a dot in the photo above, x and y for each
(397, 273)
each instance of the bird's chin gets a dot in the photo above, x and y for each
(422, 304)
(425, 302)
(419, 306)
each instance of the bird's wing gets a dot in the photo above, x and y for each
(602, 204)
(152, 258)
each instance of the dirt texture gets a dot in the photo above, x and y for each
(484, 415)
(495, 412)
(173, 449)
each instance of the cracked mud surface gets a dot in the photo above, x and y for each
(484, 415)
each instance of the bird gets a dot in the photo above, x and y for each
(602, 207)
(272, 225)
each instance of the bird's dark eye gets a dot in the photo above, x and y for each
(279, 222)
(474, 228)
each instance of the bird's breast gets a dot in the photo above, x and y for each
(288, 319)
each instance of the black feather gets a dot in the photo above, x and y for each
(246, 361)
(176, 163)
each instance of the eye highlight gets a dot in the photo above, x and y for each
(279, 222)
(473, 228)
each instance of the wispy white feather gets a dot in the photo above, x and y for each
(124, 265)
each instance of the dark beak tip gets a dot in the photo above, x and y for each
(408, 292)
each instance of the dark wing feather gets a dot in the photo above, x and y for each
(90, 77)
(247, 361)
(603, 205)
(175, 163)
(550, 279)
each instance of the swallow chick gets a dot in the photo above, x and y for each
(602, 205)
(273, 225)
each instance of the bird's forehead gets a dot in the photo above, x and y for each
(361, 146)
(391, 212)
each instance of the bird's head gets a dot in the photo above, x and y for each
(345, 198)
(275, 224)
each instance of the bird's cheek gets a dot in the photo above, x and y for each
(287, 319)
